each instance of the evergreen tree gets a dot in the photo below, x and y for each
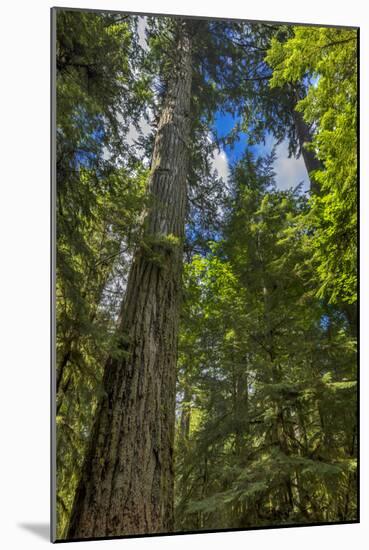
(330, 59)
(252, 419)
(127, 478)
(267, 375)
(99, 201)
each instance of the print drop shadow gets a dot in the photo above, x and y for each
(42, 530)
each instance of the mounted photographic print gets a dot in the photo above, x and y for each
(204, 189)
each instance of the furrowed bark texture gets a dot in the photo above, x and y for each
(127, 481)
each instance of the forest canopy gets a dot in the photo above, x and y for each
(206, 299)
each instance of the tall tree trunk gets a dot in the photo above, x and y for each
(312, 163)
(127, 482)
(185, 414)
(305, 137)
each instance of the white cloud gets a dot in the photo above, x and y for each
(145, 129)
(141, 29)
(220, 164)
(289, 171)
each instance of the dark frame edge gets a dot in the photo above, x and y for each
(53, 12)
(206, 17)
(358, 357)
(211, 531)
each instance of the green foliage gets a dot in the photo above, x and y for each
(267, 370)
(266, 410)
(99, 204)
(328, 57)
(91, 265)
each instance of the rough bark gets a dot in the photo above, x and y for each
(127, 481)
